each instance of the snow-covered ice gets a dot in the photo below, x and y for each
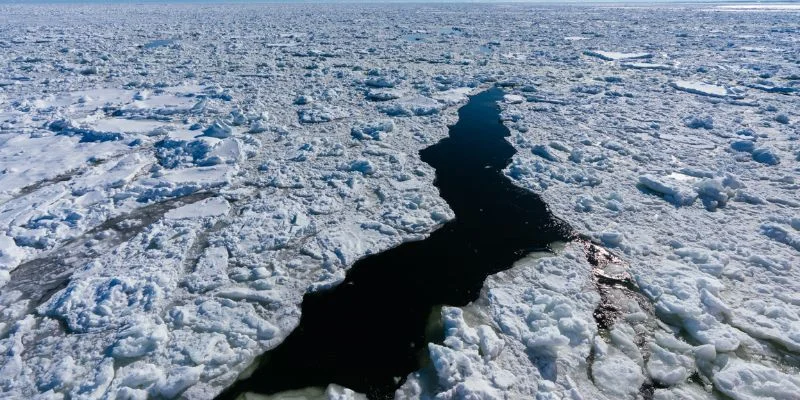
(701, 88)
(614, 55)
(168, 195)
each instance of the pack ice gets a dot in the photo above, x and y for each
(168, 192)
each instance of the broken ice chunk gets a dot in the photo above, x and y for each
(319, 114)
(219, 129)
(671, 193)
(700, 88)
(613, 55)
(372, 130)
(766, 155)
(383, 94)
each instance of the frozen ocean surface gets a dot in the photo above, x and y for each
(174, 179)
(397, 291)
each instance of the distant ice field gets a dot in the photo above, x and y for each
(174, 178)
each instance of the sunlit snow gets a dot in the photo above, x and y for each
(174, 178)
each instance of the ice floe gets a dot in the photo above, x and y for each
(166, 198)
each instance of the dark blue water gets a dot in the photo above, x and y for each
(369, 332)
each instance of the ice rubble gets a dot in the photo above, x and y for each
(304, 141)
(688, 208)
(294, 192)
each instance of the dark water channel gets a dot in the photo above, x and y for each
(369, 332)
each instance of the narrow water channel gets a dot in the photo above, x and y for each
(369, 332)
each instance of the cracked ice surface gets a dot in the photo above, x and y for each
(178, 200)
(178, 185)
(685, 167)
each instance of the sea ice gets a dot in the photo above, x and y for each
(164, 205)
(614, 56)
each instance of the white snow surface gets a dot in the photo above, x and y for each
(659, 177)
(700, 88)
(169, 193)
